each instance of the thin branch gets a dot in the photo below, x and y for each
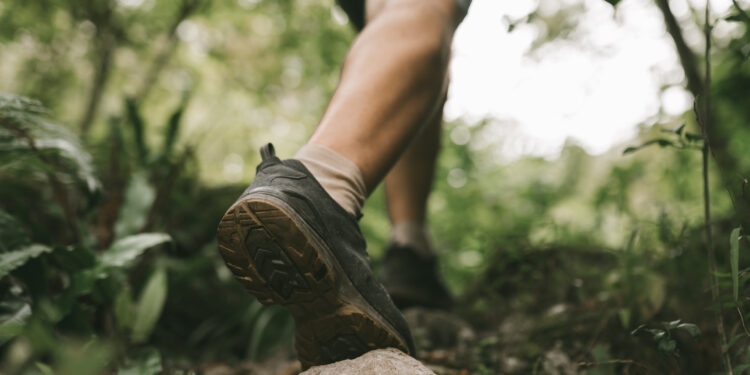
(727, 164)
(687, 57)
(187, 8)
(742, 320)
(101, 77)
(105, 44)
(741, 12)
(706, 124)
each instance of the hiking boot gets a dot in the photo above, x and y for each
(289, 243)
(413, 279)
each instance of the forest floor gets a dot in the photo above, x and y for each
(552, 311)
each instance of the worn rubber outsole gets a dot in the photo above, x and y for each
(281, 260)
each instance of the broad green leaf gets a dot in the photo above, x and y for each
(17, 258)
(125, 250)
(123, 309)
(12, 233)
(613, 2)
(149, 306)
(139, 197)
(92, 358)
(734, 260)
(46, 370)
(146, 361)
(14, 324)
(658, 333)
(27, 115)
(667, 345)
(691, 328)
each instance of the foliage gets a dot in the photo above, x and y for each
(663, 336)
(107, 253)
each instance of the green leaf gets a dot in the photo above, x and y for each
(693, 137)
(678, 130)
(139, 197)
(125, 250)
(173, 126)
(149, 306)
(667, 346)
(691, 328)
(13, 325)
(44, 369)
(12, 232)
(734, 260)
(17, 258)
(671, 325)
(146, 361)
(658, 334)
(123, 309)
(136, 120)
(24, 118)
(638, 330)
(613, 2)
(659, 141)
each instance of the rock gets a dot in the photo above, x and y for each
(556, 362)
(377, 362)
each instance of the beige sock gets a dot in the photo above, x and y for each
(339, 176)
(412, 234)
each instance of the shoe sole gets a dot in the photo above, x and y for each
(281, 260)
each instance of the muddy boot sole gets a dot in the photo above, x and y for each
(281, 260)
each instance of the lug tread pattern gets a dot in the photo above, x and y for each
(274, 260)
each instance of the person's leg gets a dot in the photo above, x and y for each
(289, 240)
(392, 80)
(408, 183)
(410, 265)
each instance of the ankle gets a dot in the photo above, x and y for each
(412, 234)
(338, 176)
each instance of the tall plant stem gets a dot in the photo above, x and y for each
(705, 120)
(715, 295)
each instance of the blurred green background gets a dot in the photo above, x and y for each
(128, 127)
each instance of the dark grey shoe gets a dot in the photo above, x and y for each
(288, 242)
(413, 280)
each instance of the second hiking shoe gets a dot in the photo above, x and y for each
(289, 243)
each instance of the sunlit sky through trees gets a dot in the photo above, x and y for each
(595, 85)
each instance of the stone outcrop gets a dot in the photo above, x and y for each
(376, 362)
